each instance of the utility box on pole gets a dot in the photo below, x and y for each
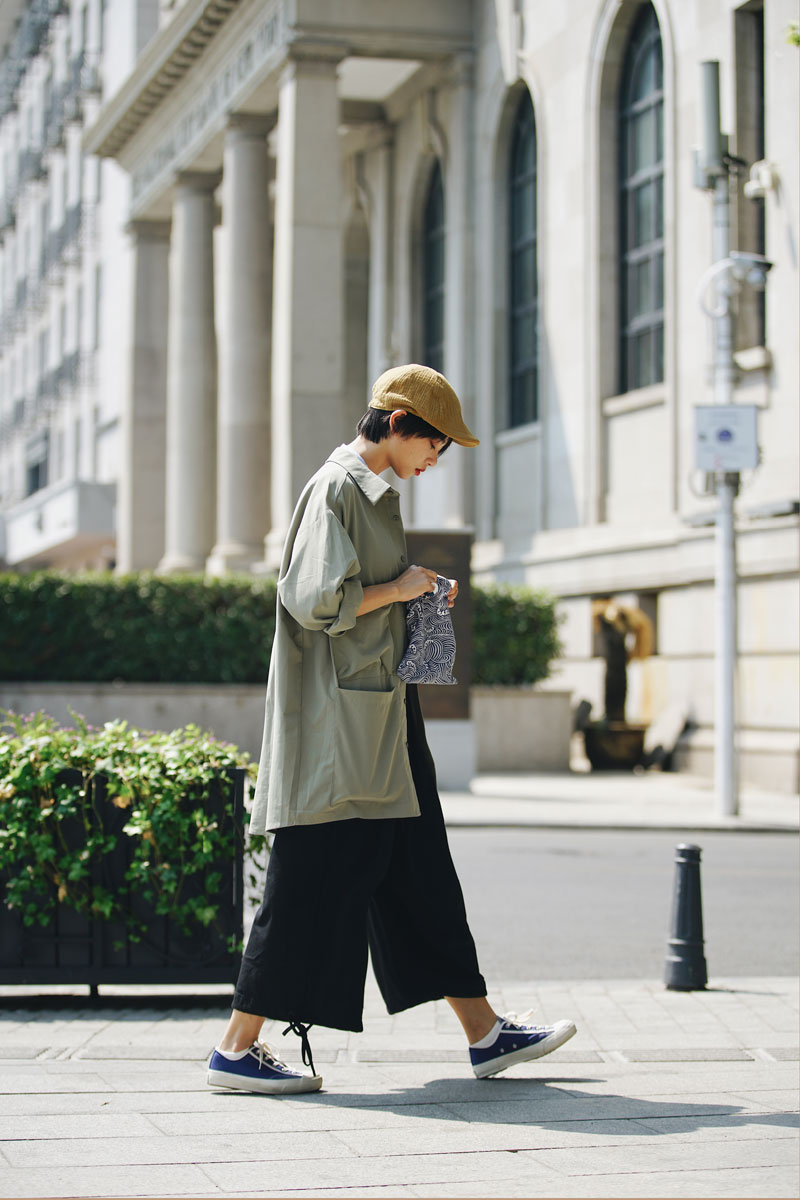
(726, 437)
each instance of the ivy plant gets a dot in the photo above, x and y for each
(68, 796)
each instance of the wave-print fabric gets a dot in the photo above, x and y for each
(431, 649)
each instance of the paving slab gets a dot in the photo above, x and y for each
(20, 1051)
(766, 1182)
(36, 1082)
(269, 1117)
(389, 1170)
(659, 1155)
(101, 1182)
(73, 1063)
(55, 1130)
(509, 1136)
(376, 1192)
(154, 1149)
(772, 1101)
(612, 1107)
(742, 1127)
(169, 1052)
(157, 1079)
(687, 1054)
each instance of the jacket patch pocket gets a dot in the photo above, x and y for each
(370, 745)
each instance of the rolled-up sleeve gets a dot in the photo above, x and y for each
(320, 588)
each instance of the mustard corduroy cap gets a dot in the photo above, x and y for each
(425, 393)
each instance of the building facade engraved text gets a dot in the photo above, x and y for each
(212, 101)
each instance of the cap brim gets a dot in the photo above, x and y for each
(459, 432)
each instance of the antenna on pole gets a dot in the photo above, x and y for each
(712, 147)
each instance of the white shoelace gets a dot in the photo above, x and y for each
(525, 1018)
(266, 1053)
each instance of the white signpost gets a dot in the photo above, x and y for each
(726, 442)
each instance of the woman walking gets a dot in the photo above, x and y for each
(360, 857)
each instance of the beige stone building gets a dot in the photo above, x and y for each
(302, 192)
(58, 453)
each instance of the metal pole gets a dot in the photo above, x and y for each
(725, 773)
(727, 486)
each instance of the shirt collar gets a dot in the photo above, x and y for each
(373, 487)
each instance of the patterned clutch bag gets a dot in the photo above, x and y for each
(431, 649)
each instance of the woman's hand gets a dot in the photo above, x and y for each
(415, 581)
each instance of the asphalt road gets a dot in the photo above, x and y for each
(576, 904)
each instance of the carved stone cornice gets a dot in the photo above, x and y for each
(162, 65)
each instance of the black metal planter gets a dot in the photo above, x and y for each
(614, 745)
(81, 948)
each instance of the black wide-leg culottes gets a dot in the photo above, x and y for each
(335, 889)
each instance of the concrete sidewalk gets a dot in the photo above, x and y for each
(660, 1094)
(614, 800)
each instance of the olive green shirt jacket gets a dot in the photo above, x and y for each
(335, 743)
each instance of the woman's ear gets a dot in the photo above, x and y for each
(396, 420)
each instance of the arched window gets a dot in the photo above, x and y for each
(433, 273)
(522, 269)
(641, 196)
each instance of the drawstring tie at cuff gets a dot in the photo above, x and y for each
(305, 1044)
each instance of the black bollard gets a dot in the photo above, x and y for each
(685, 967)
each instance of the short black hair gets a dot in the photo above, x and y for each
(375, 426)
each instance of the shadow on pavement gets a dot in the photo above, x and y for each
(508, 1101)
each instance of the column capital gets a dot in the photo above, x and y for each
(148, 231)
(250, 125)
(198, 181)
(312, 58)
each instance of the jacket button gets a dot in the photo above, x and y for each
(402, 558)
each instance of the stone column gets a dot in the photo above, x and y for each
(381, 279)
(307, 325)
(140, 492)
(440, 496)
(243, 455)
(459, 314)
(191, 378)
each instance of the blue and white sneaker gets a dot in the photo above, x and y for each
(258, 1070)
(514, 1041)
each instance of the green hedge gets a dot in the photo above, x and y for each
(146, 628)
(514, 635)
(138, 628)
